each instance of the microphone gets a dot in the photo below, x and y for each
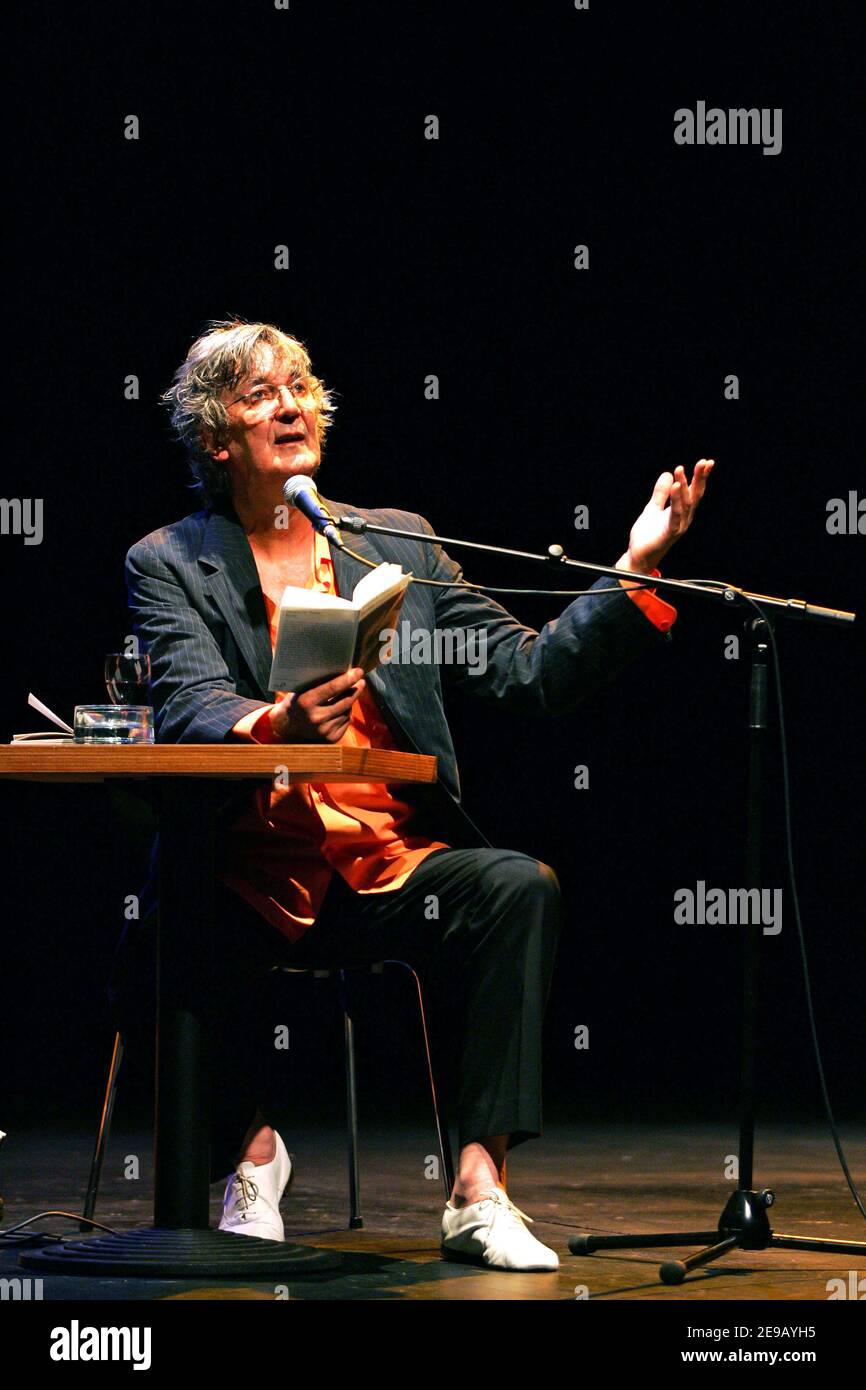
(301, 492)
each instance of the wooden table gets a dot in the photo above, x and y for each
(180, 1243)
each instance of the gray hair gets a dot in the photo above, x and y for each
(218, 360)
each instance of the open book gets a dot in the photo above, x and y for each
(320, 636)
(45, 735)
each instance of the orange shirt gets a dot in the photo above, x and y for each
(282, 849)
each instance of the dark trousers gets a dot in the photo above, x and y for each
(480, 925)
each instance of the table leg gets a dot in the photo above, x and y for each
(184, 981)
(180, 1244)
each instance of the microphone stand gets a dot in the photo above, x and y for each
(743, 1224)
(555, 557)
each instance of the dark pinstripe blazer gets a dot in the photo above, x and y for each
(198, 608)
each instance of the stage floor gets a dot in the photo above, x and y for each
(594, 1179)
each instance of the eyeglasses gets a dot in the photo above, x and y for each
(259, 399)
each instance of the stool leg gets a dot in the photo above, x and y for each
(103, 1134)
(441, 1124)
(356, 1220)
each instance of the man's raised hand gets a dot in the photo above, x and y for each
(667, 516)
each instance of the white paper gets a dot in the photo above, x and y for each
(43, 709)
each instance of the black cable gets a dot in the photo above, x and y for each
(792, 879)
(789, 848)
(10, 1236)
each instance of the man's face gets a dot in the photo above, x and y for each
(268, 441)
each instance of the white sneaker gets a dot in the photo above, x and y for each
(251, 1206)
(491, 1232)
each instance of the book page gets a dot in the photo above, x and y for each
(40, 738)
(377, 615)
(316, 635)
(49, 714)
(312, 646)
(299, 599)
(383, 579)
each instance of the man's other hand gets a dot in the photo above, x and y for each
(667, 516)
(320, 715)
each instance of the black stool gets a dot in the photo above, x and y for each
(356, 1220)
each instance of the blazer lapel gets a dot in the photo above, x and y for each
(389, 683)
(232, 580)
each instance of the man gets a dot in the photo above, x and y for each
(338, 873)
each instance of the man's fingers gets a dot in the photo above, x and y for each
(322, 714)
(333, 729)
(661, 491)
(679, 499)
(323, 693)
(703, 469)
(674, 489)
(351, 694)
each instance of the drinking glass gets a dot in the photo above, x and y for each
(127, 679)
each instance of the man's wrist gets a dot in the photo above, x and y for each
(275, 726)
(263, 731)
(627, 562)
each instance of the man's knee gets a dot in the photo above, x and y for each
(519, 878)
(519, 870)
(549, 880)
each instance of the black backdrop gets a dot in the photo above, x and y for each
(408, 257)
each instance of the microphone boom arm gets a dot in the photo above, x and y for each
(729, 593)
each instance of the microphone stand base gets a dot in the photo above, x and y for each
(743, 1225)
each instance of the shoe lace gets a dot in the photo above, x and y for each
(246, 1191)
(503, 1200)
